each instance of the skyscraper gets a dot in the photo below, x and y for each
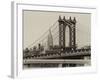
(50, 40)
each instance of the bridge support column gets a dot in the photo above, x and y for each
(60, 65)
(89, 63)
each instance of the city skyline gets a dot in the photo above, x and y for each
(33, 29)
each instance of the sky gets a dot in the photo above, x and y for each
(36, 23)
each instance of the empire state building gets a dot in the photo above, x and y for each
(50, 40)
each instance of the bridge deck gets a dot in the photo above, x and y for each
(77, 61)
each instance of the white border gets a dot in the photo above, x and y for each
(17, 70)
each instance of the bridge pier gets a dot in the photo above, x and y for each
(87, 58)
(60, 65)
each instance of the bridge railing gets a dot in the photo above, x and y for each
(76, 52)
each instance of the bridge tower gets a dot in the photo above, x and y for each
(61, 33)
(71, 24)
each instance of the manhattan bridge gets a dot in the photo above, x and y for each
(50, 49)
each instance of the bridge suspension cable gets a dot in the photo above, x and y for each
(44, 36)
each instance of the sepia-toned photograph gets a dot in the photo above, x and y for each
(54, 39)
